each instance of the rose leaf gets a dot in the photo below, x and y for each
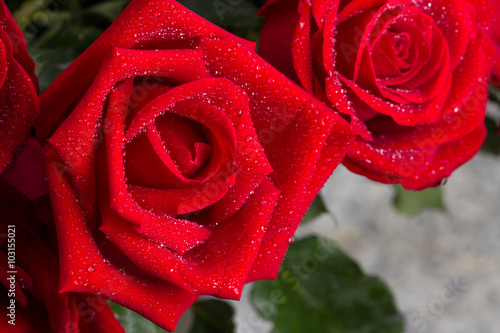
(316, 209)
(212, 316)
(320, 289)
(412, 203)
(132, 321)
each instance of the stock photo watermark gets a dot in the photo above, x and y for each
(420, 320)
(11, 274)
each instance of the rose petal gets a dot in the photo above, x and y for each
(84, 269)
(179, 235)
(446, 160)
(275, 44)
(18, 110)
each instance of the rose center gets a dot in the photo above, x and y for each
(173, 150)
(185, 142)
(401, 45)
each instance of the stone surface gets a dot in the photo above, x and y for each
(443, 267)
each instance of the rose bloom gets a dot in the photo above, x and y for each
(411, 76)
(18, 88)
(181, 163)
(30, 301)
(496, 39)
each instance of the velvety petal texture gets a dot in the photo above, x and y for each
(496, 39)
(29, 275)
(410, 76)
(18, 88)
(180, 162)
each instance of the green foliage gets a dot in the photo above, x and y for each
(57, 32)
(107, 10)
(133, 322)
(316, 209)
(492, 142)
(320, 289)
(212, 316)
(236, 16)
(412, 203)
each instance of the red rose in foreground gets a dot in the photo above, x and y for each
(496, 40)
(18, 88)
(30, 301)
(181, 162)
(410, 75)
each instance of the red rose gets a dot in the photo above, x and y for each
(31, 302)
(496, 40)
(18, 88)
(410, 75)
(181, 162)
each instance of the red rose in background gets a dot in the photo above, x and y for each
(181, 162)
(18, 88)
(29, 269)
(410, 75)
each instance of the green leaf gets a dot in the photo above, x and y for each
(212, 316)
(412, 203)
(64, 34)
(320, 289)
(236, 16)
(494, 93)
(492, 142)
(133, 322)
(57, 48)
(108, 9)
(316, 209)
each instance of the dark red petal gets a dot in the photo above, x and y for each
(28, 173)
(18, 110)
(19, 296)
(275, 44)
(28, 320)
(5, 50)
(18, 44)
(95, 315)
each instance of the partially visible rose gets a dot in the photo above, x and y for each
(181, 163)
(18, 88)
(410, 75)
(29, 300)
